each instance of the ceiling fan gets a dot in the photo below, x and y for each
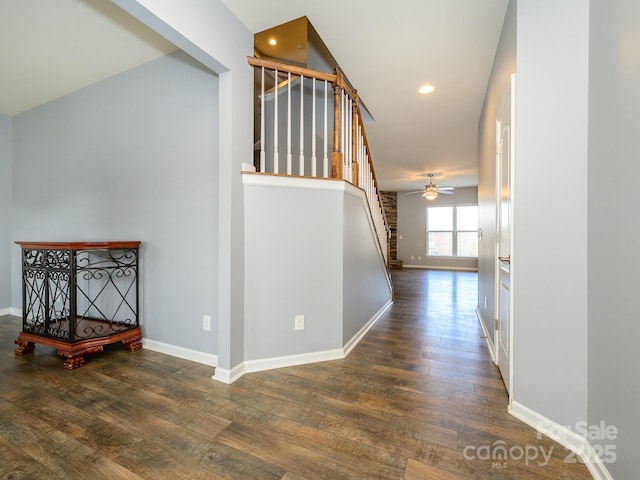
(431, 190)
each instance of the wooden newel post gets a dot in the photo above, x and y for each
(336, 155)
(354, 139)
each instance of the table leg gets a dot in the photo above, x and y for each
(24, 346)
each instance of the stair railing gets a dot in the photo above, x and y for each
(317, 111)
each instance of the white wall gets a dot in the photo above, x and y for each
(133, 157)
(550, 207)
(614, 256)
(504, 65)
(412, 226)
(5, 212)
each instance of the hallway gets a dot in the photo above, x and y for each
(418, 398)
(437, 372)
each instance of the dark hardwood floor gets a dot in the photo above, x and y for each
(418, 398)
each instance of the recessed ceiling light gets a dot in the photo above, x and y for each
(272, 41)
(423, 90)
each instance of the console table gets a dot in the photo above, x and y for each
(78, 297)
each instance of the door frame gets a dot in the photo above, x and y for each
(509, 96)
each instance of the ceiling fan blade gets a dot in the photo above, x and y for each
(417, 191)
(445, 192)
(446, 188)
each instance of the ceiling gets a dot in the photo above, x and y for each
(49, 48)
(387, 49)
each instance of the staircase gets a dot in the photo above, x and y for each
(317, 238)
(309, 124)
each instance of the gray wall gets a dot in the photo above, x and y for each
(132, 157)
(549, 262)
(309, 252)
(293, 267)
(412, 226)
(614, 256)
(209, 32)
(504, 65)
(5, 211)
(365, 284)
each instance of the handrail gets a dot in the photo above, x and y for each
(284, 67)
(350, 156)
(334, 78)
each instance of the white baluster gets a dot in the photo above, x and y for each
(361, 157)
(372, 189)
(301, 157)
(313, 129)
(348, 145)
(343, 135)
(374, 195)
(364, 161)
(289, 123)
(370, 183)
(276, 166)
(325, 158)
(262, 152)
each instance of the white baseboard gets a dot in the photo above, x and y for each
(229, 376)
(292, 360)
(259, 365)
(431, 267)
(5, 311)
(180, 352)
(596, 468)
(487, 337)
(564, 436)
(16, 312)
(364, 330)
(250, 366)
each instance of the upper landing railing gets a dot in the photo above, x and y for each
(300, 115)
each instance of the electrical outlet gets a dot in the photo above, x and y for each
(206, 322)
(299, 322)
(412, 257)
(419, 257)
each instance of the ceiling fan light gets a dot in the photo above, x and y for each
(430, 193)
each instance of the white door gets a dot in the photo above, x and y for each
(504, 172)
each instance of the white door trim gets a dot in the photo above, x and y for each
(508, 99)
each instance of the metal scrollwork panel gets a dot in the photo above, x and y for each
(46, 275)
(106, 285)
(59, 304)
(34, 301)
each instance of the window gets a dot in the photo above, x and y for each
(452, 231)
